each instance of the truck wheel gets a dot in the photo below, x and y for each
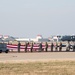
(0, 51)
(6, 51)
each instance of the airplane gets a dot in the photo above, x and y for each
(68, 38)
(29, 39)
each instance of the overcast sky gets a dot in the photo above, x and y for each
(28, 18)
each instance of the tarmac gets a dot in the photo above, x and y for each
(36, 56)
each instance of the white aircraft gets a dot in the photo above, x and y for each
(30, 39)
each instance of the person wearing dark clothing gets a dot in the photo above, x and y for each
(69, 45)
(31, 46)
(19, 44)
(60, 46)
(26, 47)
(52, 47)
(46, 46)
(74, 47)
(40, 46)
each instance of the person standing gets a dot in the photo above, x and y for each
(68, 46)
(31, 46)
(19, 44)
(40, 46)
(46, 46)
(56, 47)
(74, 46)
(26, 47)
(52, 47)
(60, 46)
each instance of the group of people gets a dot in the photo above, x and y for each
(26, 45)
(52, 46)
(58, 47)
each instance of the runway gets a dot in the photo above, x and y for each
(39, 56)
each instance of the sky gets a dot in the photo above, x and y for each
(29, 18)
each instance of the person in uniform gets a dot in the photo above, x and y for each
(68, 46)
(46, 46)
(40, 46)
(26, 44)
(19, 44)
(56, 47)
(74, 46)
(31, 46)
(60, 46)
(52, 47)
